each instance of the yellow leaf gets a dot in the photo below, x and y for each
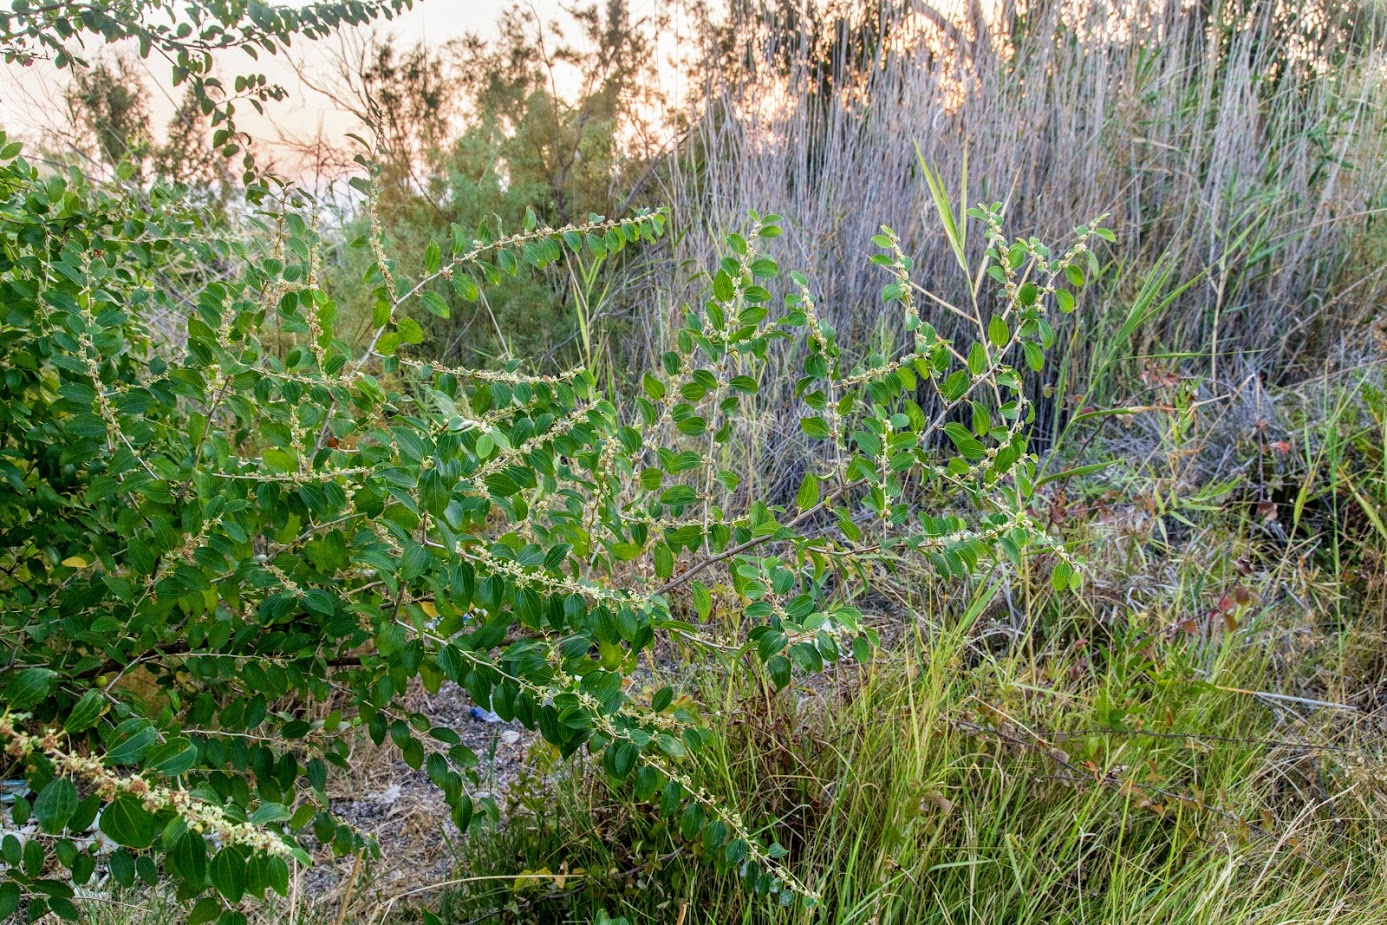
(75, 562)
(428, 608)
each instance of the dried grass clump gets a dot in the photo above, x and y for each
(1237, 146)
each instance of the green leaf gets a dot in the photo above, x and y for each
(723, 287)
(955, 385)
(744, 384)
(188, 858)
(678, 496)
(27, 687)
(964, 441)
(9, 899)
(664, 561)
(702, 600)
(280, 461)
(466, 288)
(1035, 357)
(173, 758)
(409, 330)
(122, 867)
(388, 344)
(86, 712)
(778, 667)
(277, 873)
(977, 359)
(435, 304)
(625, 552)
(434, 492)
(1059, 578)
(132, 741)
(998, 332)
(229, 873)
(692, 426)
(126, 822)
(808, 495)
(64, 908)
(55, 805)
(206, 910)
(662, 699)
(648, 781)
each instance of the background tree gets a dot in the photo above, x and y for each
(108, 105)
(110, 113)
(478, 134)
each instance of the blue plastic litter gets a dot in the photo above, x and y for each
(485, 716)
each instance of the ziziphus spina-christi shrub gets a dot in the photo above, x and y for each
(219, 558)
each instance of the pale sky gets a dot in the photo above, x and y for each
(31, 98)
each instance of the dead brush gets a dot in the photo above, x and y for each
(1260, 195)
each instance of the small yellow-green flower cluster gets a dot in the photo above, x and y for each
(202, 817)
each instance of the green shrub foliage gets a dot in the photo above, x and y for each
(223, 552)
